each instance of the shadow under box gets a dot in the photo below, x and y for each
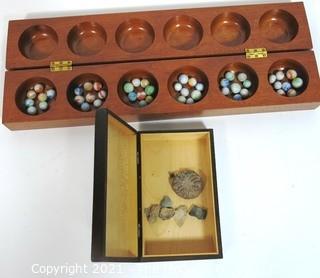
(38, 42)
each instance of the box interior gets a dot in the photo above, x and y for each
(162, 153)
(121, 191)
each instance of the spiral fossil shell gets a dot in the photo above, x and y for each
(186, 183)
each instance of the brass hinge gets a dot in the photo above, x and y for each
(256, 53)
(56, 66)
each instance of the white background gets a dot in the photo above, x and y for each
(268, 168)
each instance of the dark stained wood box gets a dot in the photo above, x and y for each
(131, 173)
(159, 44)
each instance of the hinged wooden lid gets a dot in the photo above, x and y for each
(115, 212)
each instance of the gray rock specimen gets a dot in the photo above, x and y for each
(166, 213)
(198, 212)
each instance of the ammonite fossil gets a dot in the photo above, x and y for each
(186, 183)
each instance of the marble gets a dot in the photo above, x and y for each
(88, 86)
(183, 78)
(142, 103)
(281, 92)
(38, 88)
(29, 102)
(182, 99)
(192, 82)
(150, 90)
(292, 93)
(225, 91)
(272, 78)
(244, 92)
(79, 99)
(31, 110)
(78, 91)
(144, 83)
(235, 88)
(247, 84)
(43, 105)
(224, 82)
(42, 97)
(128, 87)
(132, 97)
(190, 100)
(297, 83)
(185, 92)
(85, 106)
(177, 86)
(102, 94)
(196, 95)
(242, 76)
(277, 85)
(141, 95)
(90, 97)
(280, 75)
(237, 97)
(97, 103)
(31, 94)
(149, 99)
(291, 74)
(286, 86)
(97, 86)
(51, 93)
(229, 75)
(136, 82)
(200, 86)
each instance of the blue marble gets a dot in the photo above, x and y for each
(286, 86)
(29, 102)
(32, 110)
(85, 106)
(78, 91)
(132, 97)
(237, 97)
(224, 82)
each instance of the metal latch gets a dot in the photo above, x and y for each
(256, 53)
(56, 66)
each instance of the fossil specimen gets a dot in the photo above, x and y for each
(200, 213)
(152, 213)
(186, 183)
(180, 215)
(166, 202)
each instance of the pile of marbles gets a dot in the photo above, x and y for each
(88, 95)
(286, 82)
(188, 89)
(166, 211)
(38, 97)
(139, 91)
(236, 85)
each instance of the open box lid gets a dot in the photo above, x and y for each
(115, 190)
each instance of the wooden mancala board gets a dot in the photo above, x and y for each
(113, 49)
(126, 183)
